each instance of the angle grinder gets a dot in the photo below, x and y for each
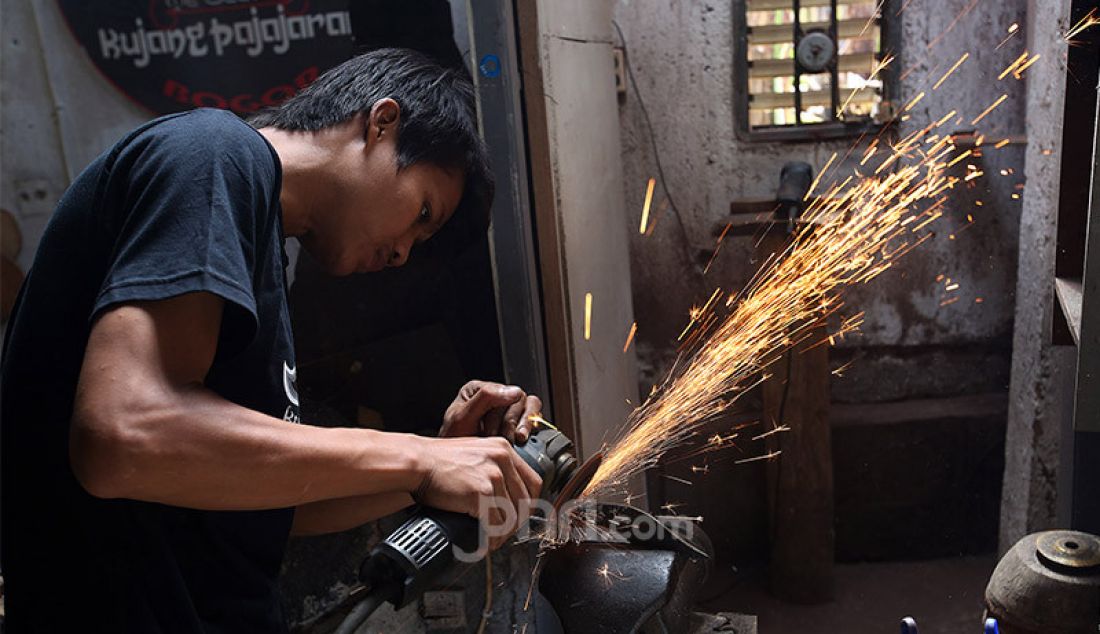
(404, 564)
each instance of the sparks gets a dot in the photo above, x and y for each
(951, 70)
(1018, 74)
(645, 206)
(878, 67)
(820, 174)
(869, 152)
(657, 216)
(915, 100)
(1013, 29)
(1090, 20)
(854, 232)
(999, 101)
(944, 119)
(778, 430)
(537, 418)
(842, 369)
(717, 247)
(1019, 60)
(1017, 67)
(630, 336)
(767, 456)
(1000, 144)
(587, 316)
(608, 576)
(959, 158)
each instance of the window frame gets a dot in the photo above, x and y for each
(809, 132)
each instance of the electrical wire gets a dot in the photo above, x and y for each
(656, 152)
(487, 609)
(362, 610)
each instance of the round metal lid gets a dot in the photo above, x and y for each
(1069, 549)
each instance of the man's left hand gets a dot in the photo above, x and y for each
(491, 409)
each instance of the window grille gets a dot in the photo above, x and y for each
(806, 69)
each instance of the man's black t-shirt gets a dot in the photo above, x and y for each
(186, 203)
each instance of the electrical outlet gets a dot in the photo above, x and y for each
(620, 70)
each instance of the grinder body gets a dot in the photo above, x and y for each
(406, 562)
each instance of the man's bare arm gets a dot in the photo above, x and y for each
(333, 516)
(144, 427)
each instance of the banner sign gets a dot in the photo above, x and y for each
(241, 55)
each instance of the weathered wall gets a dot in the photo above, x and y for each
(912, 347)
(1040, 372)
(682, 53)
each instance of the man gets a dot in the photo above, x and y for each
(153, 465)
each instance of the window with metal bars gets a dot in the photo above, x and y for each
(809, 69)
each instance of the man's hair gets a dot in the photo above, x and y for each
(438, 125)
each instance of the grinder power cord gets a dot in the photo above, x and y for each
(404, 564)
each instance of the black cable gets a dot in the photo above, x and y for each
(653, 142)
(362, 610)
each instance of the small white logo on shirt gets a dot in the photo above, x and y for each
(290, 378)
(290, 386)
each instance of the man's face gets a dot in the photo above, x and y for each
(373, 214)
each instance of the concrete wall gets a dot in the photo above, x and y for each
(682, 53)
(1041, 373)
(911, 347)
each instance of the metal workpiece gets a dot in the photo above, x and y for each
(1047, 583)
(634, 572)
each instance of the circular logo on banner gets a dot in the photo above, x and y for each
(240, 55)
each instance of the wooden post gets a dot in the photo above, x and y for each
(800, 479)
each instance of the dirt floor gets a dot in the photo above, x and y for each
(943, 595)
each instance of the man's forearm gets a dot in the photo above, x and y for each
(333, 516)
(197, 450)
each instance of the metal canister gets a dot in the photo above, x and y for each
(1048, 583)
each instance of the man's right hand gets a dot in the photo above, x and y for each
(481, 477)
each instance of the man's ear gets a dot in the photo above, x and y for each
(383, 119)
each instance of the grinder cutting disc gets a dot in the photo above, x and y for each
(581, 477)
